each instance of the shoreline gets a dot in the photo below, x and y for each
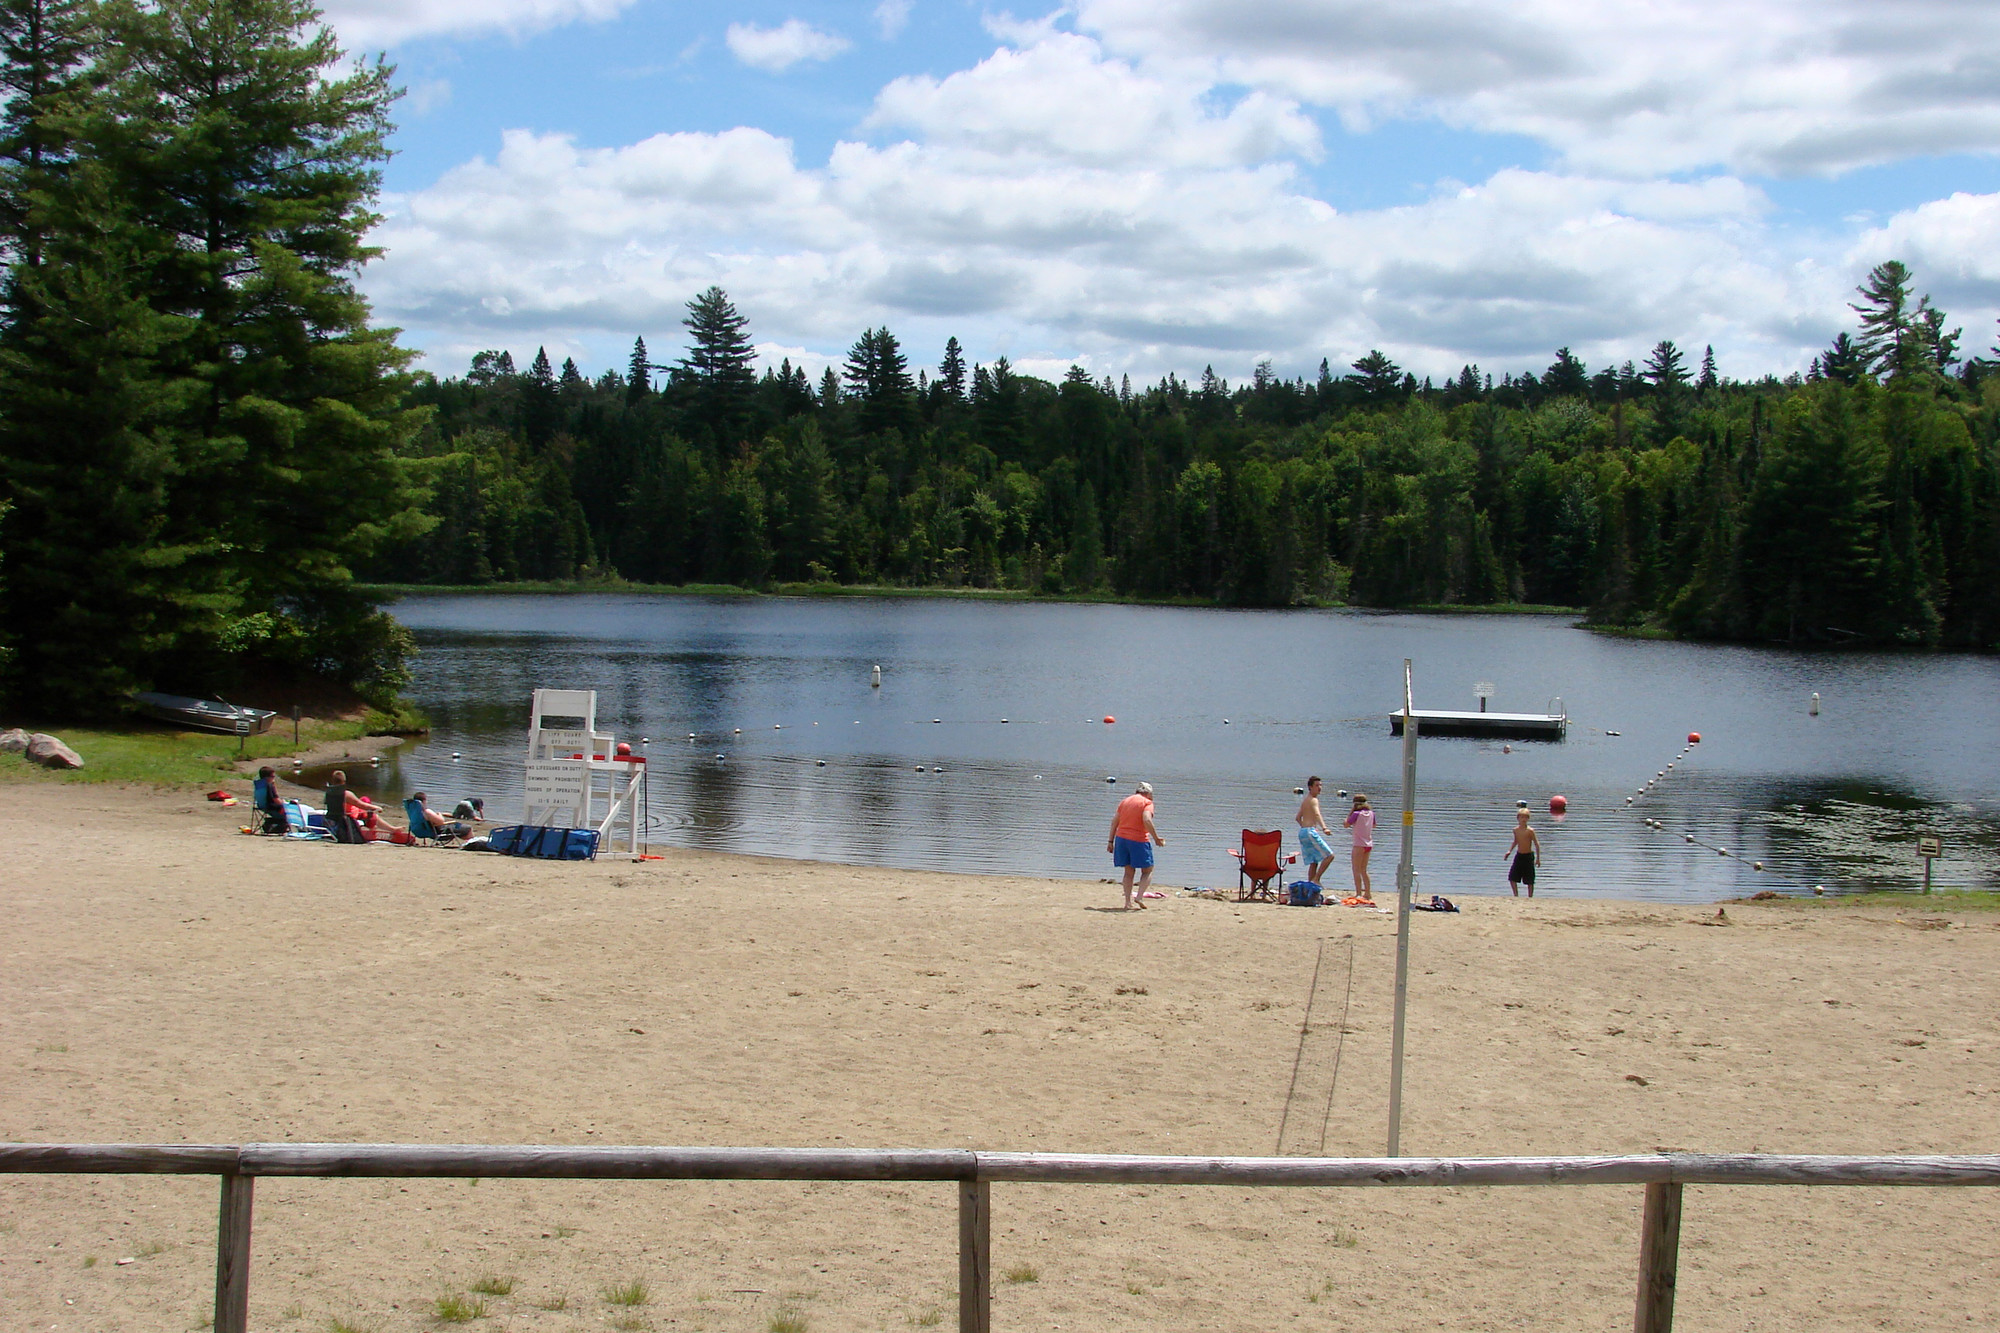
(388, 593)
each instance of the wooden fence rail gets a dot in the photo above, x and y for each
(1664, 1175)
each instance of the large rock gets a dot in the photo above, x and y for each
(49, 752)
(13, 741)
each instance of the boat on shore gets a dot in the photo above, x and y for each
(205, 714)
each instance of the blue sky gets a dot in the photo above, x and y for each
(1143, 187)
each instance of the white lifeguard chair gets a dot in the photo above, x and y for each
(573, 769)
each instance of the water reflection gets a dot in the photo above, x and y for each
(1225, 712)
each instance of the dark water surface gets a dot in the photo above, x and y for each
(1225, 712)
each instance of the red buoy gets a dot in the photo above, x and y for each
(1694, 738)
(1108, 719)
(1558, 804)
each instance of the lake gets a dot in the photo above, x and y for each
(1225, 712)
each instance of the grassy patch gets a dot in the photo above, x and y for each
(559, 1301)
(564, 1233)
(787, 1320)
(294, 1311)
(90, 1261)
(151, 1248)
(459, 1309)
(930, 1318)
(1023, 1273)
(627, 1293)
(628, 1323)
(1938, 900)
(166, 758)
(345, 1326)
(494, 1285)
(53, 1048)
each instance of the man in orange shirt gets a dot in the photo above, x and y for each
(1131, 843)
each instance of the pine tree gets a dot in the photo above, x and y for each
(1566, 377)
(218, 209)
(639, 374)
(1708, 379)
(878, 376)
(1888, 321)
(541, 408)
(1376, 378)
(718, 368)
(951, 371)
(45, 76)
(1666, 369)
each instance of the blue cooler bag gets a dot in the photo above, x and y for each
(545, 842)
(1304, 893)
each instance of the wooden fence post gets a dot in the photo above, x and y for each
(975, 1257)
(232, 1255)
(1659, 1259)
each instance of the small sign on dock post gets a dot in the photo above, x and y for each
(242, 734)
(1930, 849)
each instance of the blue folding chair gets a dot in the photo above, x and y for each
(301, 828)
(420, 827)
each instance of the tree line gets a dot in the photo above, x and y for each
(1858, 503)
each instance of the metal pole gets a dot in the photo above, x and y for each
(1405, 876)
(975, 1256)
(232, 1255)
(1927, 874)
(1659, 1260)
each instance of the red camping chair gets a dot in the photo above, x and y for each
(1260, 864)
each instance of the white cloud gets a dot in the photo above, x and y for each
(1060, 98)
(778, 49)
(366, 25)
(891, 17)
(1059, 204)
(1952, 246)
(1629, 87)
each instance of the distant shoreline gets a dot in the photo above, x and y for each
(389, 592)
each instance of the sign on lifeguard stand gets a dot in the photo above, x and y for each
(566, 756)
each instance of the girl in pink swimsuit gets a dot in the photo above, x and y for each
(1362, 820)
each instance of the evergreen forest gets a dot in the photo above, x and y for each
(208, 447)
(1857, 504)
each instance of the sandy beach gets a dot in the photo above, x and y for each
(167, 979)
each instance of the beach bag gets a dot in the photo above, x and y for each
(544, 842)
(1304, 893)
(1436, 904)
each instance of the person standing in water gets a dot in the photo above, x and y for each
(1526, 849)
(1361, 820)
(1133, 834)
(1314, 849)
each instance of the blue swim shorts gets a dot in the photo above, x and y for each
(1135, 852)
(1312, 845)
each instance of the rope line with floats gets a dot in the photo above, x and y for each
(1688, 837)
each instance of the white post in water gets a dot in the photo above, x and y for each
(1405, 875)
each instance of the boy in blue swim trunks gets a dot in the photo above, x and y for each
(1131, 843)
(1314, 849)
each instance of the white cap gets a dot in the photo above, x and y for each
(1145, 789)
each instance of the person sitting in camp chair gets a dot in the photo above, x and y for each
(264, 795)
(427, 825)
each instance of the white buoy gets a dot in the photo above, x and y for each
(736, 731)
(1038, 777)
(1756, 865)
(690, 735)
(718, 757)
(1111, 779)
(875, 678)
(1341, 792)
(454, 756)
(1690, 837)
(1225, 721)
(1003, 721)
(1298, 791)
(1814, 710)
(1722, 851)
(1628, 800)
(1819, 888)
(920, 768)
(819, 763)
(937, 770)
(936, 720)
(777, 726)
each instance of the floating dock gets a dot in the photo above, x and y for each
(1520, 726)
